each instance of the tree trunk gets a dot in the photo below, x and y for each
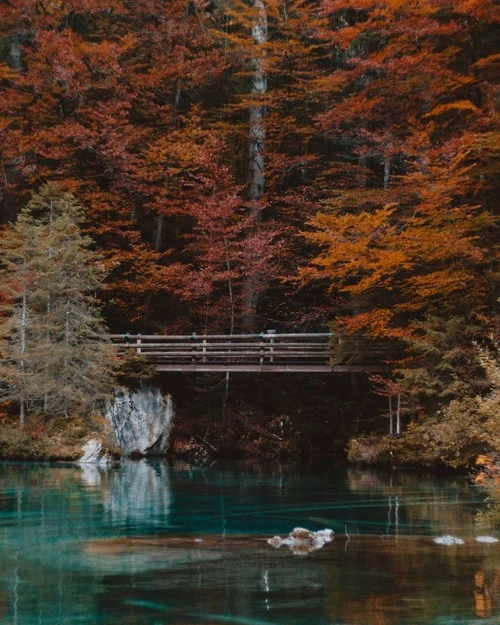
(391, 423)
(24, 321)
(256, 162)
(159, 232)
(231, 329)
(398, 415)
(387, 171)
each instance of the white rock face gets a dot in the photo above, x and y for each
(141, 421)
(93, 454)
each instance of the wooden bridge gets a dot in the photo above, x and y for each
(268, 352)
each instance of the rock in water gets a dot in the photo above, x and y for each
(486, 539)
(325, 535)
(301, 541)
(448, 540)
(141, 421)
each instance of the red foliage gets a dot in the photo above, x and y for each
(380, 141)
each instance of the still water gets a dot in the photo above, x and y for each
(151, 544)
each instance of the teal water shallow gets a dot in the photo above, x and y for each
(147, 543)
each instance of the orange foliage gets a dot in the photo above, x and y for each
(380, 143)
(408, 106)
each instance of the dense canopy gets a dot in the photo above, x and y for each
(245, 164)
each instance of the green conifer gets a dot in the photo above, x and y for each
(57, 358)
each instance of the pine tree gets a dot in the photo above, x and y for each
(56, 357)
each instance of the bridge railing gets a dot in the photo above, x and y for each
(249, 349)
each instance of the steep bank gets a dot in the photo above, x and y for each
(136, 423)
(55, 439)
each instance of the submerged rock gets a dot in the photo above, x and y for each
(141, 421)
(448, 540)
(301, 541)
(486, 539)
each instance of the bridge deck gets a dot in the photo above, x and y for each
(285, 353)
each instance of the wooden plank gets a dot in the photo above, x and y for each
(236, 355)
(226, 346)
(223, 349)
(266, 368)
(234, 337)
(293, 352)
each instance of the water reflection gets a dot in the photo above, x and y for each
(419, 501)
(410, 581)
(486, 592)
(373, 582)
(147, 543)
(137, 491)
(91, 474)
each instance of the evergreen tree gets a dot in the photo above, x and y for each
(56, 357)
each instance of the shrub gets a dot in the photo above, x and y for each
(369, 450)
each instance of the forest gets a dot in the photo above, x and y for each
(230, 166)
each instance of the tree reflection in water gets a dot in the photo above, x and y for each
(486, 592)
(363, 580)
(147, 543)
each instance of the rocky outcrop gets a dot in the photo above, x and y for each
(141, 421)
(93, 453)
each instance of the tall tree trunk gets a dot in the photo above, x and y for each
(66, 361)
(24, 321)
(231, 329)
(160, 219)
(391, 423)
(387, 170)
(398, 415)
(256, 163)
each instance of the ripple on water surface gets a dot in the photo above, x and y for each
(147, 543)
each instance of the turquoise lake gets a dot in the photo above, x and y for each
(150, 543)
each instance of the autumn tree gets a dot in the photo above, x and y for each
(408, 225)
(406, 242)
(112, 118)
(274, 55)
(379, 113)
(95, 86)
(57, 357)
